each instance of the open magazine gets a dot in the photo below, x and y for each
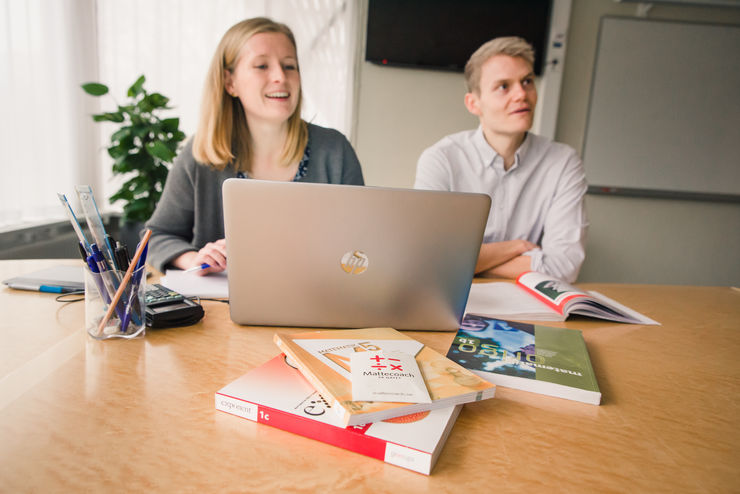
(539, 297)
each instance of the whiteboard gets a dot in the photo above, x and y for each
(664, 114)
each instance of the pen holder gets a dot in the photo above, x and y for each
(129, 318)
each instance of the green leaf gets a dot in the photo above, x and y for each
(122, 135)
(140, 161)
(138, 205)
(145, 106)
(109, 117)
(122, 195)
(133, 184)
(170, 124)
(138, 121)
(127, 109)
(156, 100)
(116, 152)
(138, 210)
(137, 88)
(143, 187)
(121, 168)
(159, 150)
(159, 174)
(95, 88)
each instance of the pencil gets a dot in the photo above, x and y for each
(124, 282)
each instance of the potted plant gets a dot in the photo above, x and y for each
(142, 147)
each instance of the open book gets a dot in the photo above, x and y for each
(538, 297)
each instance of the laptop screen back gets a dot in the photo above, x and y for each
(319, 255)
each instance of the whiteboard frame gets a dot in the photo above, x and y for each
(626, 190)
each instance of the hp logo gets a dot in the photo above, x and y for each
(354, 262)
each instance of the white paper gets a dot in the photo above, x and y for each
(215, 285)
(507, 300)
(387, 376)
(643, 319)
(336, 353)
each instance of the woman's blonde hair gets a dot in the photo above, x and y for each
(223, 134)
(512, 46)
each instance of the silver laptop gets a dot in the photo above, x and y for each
(343, 256)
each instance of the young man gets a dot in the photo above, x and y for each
(537, 219)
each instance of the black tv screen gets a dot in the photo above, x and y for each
(442, 34)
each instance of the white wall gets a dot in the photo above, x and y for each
(403, 111)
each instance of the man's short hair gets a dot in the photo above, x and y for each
(512, 46)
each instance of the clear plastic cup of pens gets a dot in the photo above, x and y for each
(128, 318)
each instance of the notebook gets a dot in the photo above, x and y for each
(343, 256)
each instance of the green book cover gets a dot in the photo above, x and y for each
(532, 357)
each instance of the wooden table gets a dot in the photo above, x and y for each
(78, 414)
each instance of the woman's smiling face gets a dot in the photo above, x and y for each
(266, 78)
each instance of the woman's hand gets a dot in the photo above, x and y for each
(213, 254)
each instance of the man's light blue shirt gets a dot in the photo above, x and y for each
(540, 198)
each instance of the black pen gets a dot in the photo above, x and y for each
(110, 242)
(121, 254)
(83, 252)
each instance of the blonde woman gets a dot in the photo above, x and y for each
(250, 127)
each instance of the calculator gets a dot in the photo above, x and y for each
(157, 294)
(166, 308)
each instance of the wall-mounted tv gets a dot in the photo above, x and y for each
(442, 34)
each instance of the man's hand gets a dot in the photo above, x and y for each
(495, 254)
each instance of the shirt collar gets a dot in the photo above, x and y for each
(485, 151)
(489, 156)
(521, 153)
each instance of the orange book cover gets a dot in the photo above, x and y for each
(323, 359)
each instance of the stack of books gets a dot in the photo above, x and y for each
(307, 390)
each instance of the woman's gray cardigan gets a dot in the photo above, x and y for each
(190, 212)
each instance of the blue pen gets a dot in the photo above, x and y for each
(109, 278)
(42, 288)
(99, 258)
(198, 268)
(55, 289)
(98, 280)
(132, 298)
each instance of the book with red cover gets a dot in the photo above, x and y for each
(277, 394)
